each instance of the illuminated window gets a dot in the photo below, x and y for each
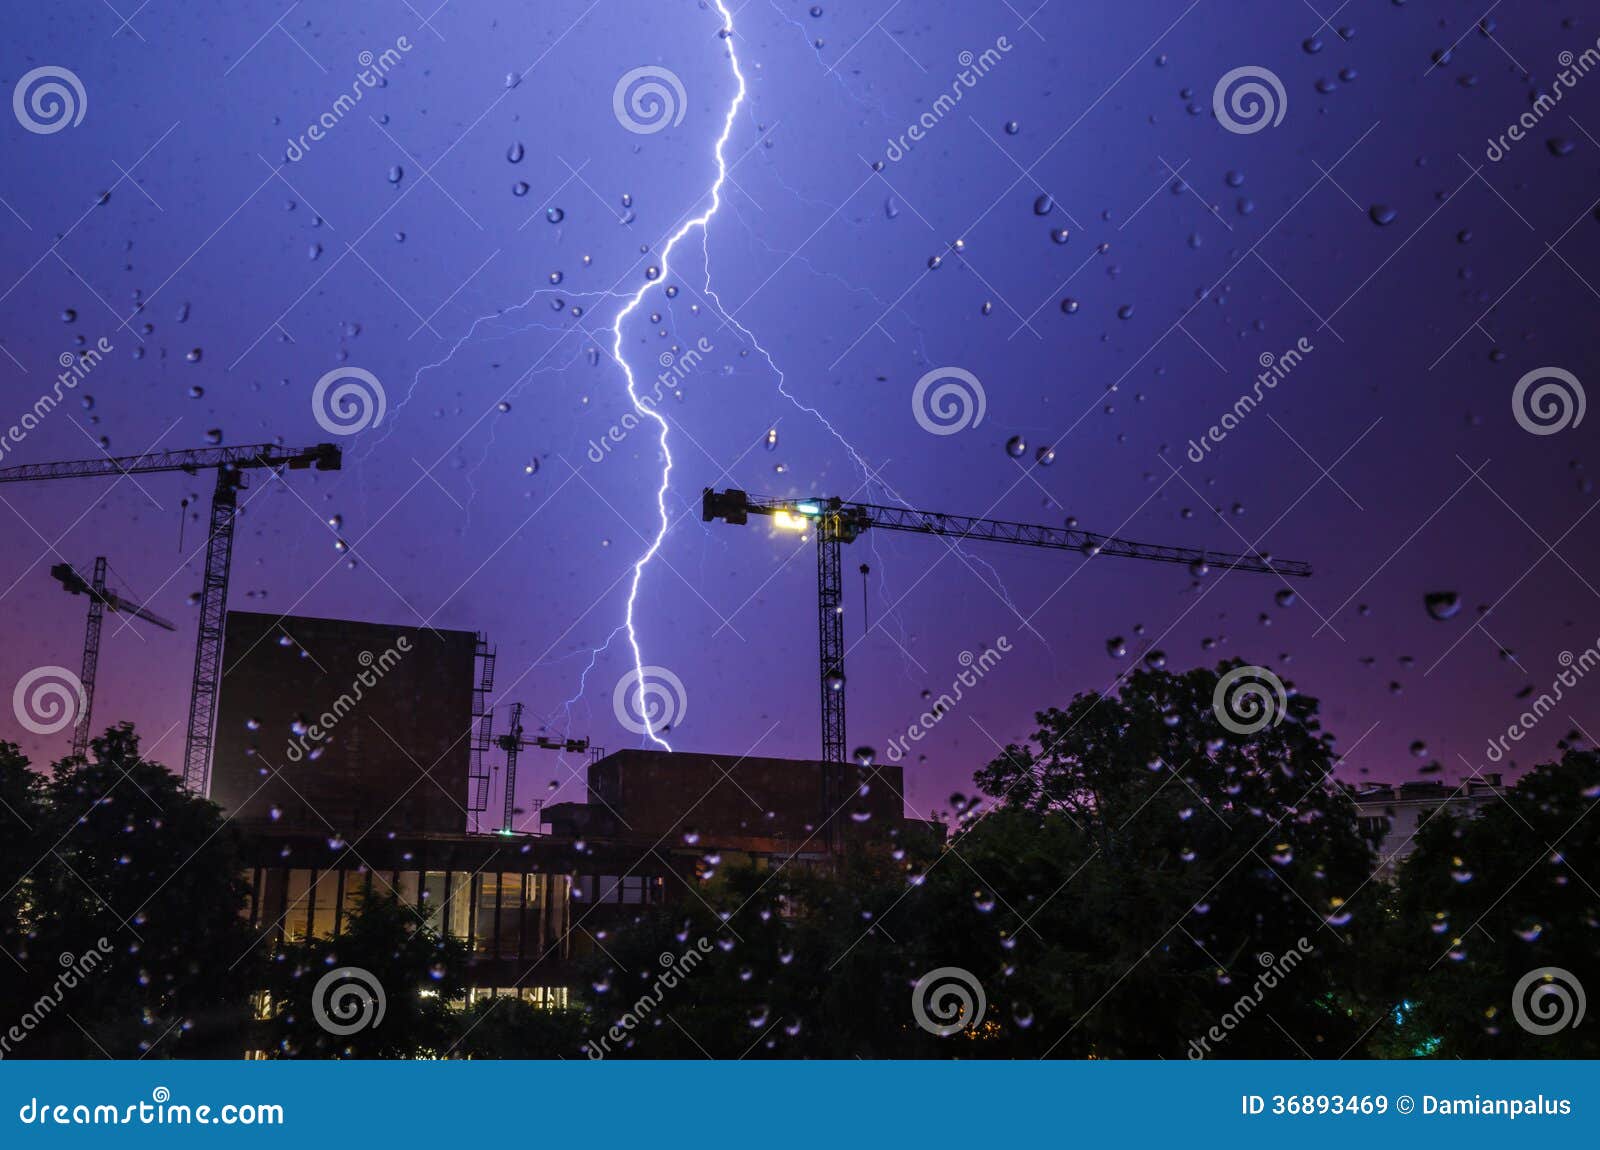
(511, 915)
(355, 889)
(294, 922)
(458, 907)
(487, 899)
(405, 887)
(434, 896)
(325, 901)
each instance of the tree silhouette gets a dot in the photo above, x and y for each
(1487, 901)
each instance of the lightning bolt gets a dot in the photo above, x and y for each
(628, 309)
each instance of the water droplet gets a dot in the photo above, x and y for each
(1016, 447)
(1382, 214)
(1043, 205)
(1442, 604)
(554, 215)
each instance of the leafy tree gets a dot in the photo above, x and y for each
(20, 849)
(1484, 901)
(1144, 873)
(145, 877)
(1153, 865)
(314, 1011)
(511, 1028)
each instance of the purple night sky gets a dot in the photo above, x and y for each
(469, 231)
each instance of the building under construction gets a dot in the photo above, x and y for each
(355, 755)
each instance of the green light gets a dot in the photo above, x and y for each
(808, 508)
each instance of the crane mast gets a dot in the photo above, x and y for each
(512, 743)
(230, 464)
(837, 521)
(99, 599)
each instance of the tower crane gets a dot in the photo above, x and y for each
(837, 521)
(100, 598)
(512, 744)
(231, 465)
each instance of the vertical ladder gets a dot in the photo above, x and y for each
(483, 736)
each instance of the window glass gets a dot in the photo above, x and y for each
(294, 923)
(434, 895)
(458, 908)
(325, 903)
(406, 887)
(487, 888)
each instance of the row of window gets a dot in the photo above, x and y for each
(507, 914)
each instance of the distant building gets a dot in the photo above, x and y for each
(1392, 814)
(761, 807)
(335, 727)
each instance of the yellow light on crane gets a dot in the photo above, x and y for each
(783, 521)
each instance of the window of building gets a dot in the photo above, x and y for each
(355, 889)
(511, 915)
(405, 887)
(434, 894)
(298, 905)
(487, 899)
(458, 907)
(324, 903)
